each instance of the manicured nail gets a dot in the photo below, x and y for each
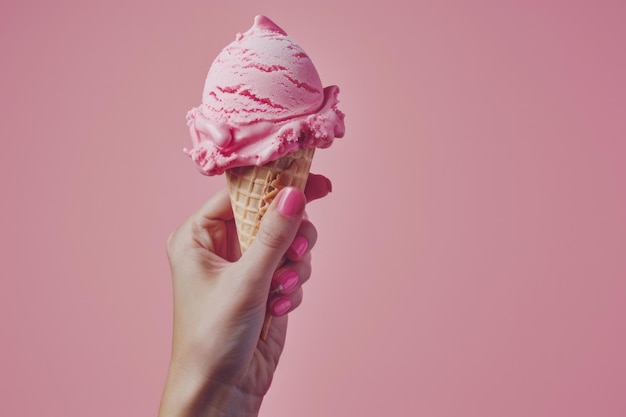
(299, 246)
(291, 202)
(287, 281)
(281, 306)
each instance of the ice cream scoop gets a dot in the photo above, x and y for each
(262, 99)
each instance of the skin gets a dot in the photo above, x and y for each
(219, 364)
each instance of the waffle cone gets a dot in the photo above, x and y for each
(252, 189)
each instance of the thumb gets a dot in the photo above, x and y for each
(276, 233)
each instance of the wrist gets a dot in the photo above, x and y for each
(184, 396)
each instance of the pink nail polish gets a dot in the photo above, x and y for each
(281, 306)
(291, 202)
(299, 246)
(287, 281)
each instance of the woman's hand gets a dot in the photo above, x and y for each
(219, 364)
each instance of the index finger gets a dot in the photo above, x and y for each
(317, 186)
(216, 208)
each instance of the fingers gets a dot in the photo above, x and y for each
(292, 276)
(276, 234)
(216, 208)
(286, 294)
(303, 242)
(283, 305)
(210, 227)
(287, 284)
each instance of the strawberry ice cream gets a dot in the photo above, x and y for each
(262, 99)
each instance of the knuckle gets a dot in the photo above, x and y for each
(274, 238)
(311, 232)
(307, 270)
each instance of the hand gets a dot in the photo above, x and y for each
(219, 365)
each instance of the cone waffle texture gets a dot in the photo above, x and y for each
(252, 189)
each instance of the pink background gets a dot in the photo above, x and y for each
(471, 259)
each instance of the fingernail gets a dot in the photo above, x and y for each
(281, 306)
(299, 246)
(287, 281)
(291, 202)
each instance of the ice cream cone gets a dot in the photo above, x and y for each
(252, 189)
(262, 97)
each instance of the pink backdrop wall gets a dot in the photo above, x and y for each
(471, 259)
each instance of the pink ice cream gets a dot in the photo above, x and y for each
(262, 99)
